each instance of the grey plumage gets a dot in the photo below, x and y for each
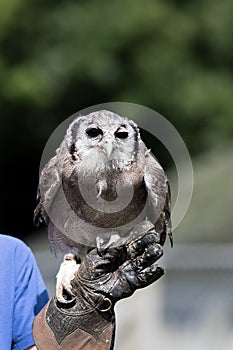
(102, 181)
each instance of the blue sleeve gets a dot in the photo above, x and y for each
(30, 297)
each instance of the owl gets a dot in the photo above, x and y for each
(100, 184)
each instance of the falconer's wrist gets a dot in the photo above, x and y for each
(68, 326)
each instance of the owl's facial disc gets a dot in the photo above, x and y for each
(106, 141)
(112, 139)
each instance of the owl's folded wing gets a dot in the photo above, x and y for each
(159, 197)
(52, 208)
(49, 183)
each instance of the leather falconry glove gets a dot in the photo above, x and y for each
(106, 275)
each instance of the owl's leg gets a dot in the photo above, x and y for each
(66, 273)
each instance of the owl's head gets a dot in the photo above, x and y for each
(105, 135)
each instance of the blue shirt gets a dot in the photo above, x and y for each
(22, 294)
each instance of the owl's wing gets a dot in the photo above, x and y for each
(51, 200)
(159, 197)
(49, 183)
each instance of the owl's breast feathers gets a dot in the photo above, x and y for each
(105, 184)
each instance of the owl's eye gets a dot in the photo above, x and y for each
(94, 132)
(121, 134)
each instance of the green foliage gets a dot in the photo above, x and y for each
(173, 56)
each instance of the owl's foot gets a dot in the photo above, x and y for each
(102, 246)
(65, 275)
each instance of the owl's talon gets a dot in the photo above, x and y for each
(113, 239)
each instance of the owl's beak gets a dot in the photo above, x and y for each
(108, 148)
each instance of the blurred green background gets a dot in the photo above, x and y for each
(57, 57)
(174, 56)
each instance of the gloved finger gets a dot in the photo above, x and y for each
(148, 275)
(137, 246)
(131, 279)
(151, 254)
